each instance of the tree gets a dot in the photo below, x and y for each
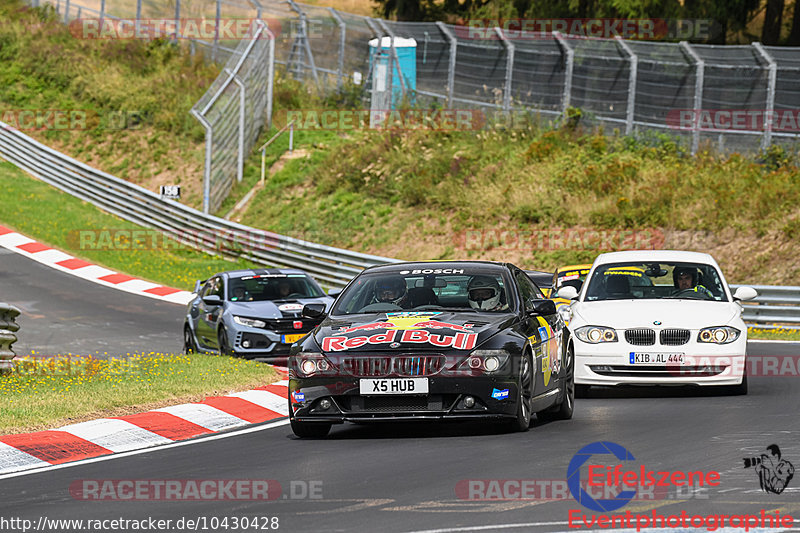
(794, 35)
(771, 31)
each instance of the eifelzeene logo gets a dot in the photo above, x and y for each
(774, 473)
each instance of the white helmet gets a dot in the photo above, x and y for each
(483, 292)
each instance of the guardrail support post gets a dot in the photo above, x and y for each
(634, 68)
(570, 62)
(509, 68)
(8, 326)
(771, 80)
(700, 66)
(451, 65)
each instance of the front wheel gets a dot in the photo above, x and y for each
(524, 394)
(189, 346)
(222, 340)
(564, 410)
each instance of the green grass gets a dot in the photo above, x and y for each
(42, 393)
(57, 219)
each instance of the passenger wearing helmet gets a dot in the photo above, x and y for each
(685, 279)
(484, 293)
(391, 290)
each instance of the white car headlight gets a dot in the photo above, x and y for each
(718, 335)
(249, 322)
(596, 334)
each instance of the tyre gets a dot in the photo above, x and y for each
(189, 345)
(564, 409)
(581, 391)
(524, 394)
(310, 430)
(222, 339)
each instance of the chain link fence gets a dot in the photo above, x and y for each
(732, 98)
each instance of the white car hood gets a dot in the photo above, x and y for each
(624, 314)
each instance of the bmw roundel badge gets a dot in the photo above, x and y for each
(656, 322)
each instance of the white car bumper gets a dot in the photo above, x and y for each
(701, 363)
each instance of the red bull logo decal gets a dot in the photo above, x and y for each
(459, 341)
(408, 321)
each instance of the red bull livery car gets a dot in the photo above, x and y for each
(446, 340)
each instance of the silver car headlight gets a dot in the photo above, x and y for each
(596, 334)
(249, 322)
(718, 335)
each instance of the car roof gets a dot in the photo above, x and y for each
(261, 272)
(654, 256)
(425, 265)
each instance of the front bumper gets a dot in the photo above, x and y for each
(445, 399)
(262, 344)
(703, 363)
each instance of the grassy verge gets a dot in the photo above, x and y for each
(45, 393)
(773, 334)
(58, 219)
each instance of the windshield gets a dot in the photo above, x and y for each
(652, 281)
(573, 277)
(272, 287)
(468, 289)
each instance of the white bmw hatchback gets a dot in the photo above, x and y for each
(658, 317)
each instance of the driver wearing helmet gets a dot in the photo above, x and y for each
(391, 290)
(685, 279)
(484, 293)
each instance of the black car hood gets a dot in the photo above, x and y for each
(409, 331)
(274, 308)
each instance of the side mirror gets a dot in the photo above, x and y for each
(543, 307)
(197, 284)
(333, 293)
(212, 299)
(745, 293)
(568, 292)
(313, 310)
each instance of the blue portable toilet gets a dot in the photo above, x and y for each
(406, 58)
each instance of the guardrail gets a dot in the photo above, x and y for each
(774, 305)
(8, 326)
(332, 266)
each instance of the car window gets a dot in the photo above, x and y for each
(528, 290)
(215, 287)
(650, 281)
(264, 287)
(426, 289)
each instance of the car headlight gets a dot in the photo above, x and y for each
(486, 360)
(249, 322)
(718, 335)
(309, 364)
(596, 334)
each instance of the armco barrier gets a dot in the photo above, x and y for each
(8, 327)
(332, 266)
(773, 305)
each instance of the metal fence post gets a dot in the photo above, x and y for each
(698, 91)
(207, 170)
(342, 44)
(102, 13)
(242, 102)
(451, 65)
(394, 62)
(303, 38)
(215, 46)
(66, 12)
(570, 55)
(8, 325)
(177, 19)
(270, 74)
(771, 80)
(509, 68)
(634, 68)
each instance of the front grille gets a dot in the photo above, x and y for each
(393, 403)
(674, 337)
(669, 371)
(640, 336)
(286, 325)
(407, 365)
(355, 405)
